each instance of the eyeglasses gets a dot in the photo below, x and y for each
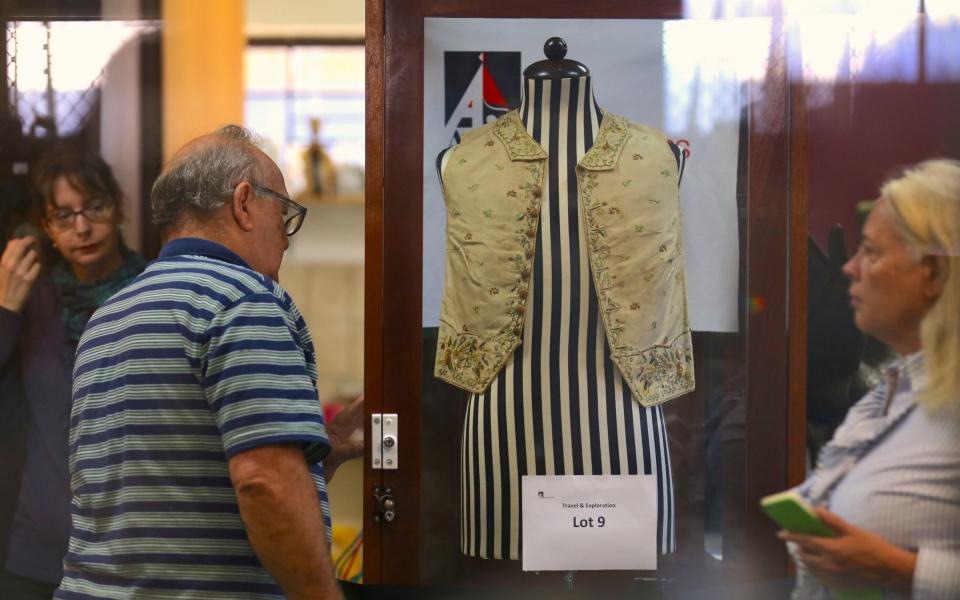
(96, 210)
(293, 223)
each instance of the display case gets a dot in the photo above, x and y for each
(719, 88)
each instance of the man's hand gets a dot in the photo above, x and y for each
(855, 558)
(19, 268)
(343, 444)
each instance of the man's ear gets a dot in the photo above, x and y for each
(936, 273)
(241, 205)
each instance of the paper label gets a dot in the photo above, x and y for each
(589, 522)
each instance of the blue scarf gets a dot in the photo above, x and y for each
(78, 300)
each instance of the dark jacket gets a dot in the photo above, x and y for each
(35, 349)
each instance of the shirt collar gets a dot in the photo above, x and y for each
(904, 378)
(911, 369)
(190, 246)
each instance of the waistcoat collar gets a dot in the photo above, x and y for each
(602, 156)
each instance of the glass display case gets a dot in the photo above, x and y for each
(736, 147)
(776, 110)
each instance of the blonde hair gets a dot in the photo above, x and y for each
(926, 202)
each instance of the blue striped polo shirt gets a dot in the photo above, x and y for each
(199, 358)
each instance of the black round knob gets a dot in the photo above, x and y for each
(555, 48)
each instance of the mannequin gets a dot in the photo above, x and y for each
(560, 405)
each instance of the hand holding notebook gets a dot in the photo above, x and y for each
(853, 562)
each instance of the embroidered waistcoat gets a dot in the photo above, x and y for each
(628, 190)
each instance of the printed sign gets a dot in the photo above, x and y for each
(478, 87)
(589, 522)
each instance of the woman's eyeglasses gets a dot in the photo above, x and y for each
(95, 211)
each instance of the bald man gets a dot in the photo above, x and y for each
(199, 453)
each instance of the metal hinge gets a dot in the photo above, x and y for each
(385, 443)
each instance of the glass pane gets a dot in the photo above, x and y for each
(942, 43)
(97, 84)
(302, 95)
(880, 100)
(307, 103)
(327, 68)
(267, 69)
(559, 404)
(56, 68)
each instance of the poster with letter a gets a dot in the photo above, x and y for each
(589, 522)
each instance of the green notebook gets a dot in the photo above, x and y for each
(795, 514)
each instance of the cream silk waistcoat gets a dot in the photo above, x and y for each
(628, 188)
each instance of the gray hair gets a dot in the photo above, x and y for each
(203, 179)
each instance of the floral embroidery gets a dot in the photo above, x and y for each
(611, 138)
(462, 161)
(512, 193)
(489, 143)
(637, 157)
(635, 306)
(474, 187)
(494, 291)
(665, 173)
(660, 373)
(488, 213)
(468, 237)
(464, 360)
(639, 228)
(509, 129)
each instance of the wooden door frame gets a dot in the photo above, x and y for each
(776, 254)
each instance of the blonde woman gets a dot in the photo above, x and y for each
(889, 481)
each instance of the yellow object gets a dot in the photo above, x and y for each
(321, 175)
(203, 45)
(347, 553)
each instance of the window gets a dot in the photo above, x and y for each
(287, 86)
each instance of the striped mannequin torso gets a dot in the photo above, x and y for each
(560, 406)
